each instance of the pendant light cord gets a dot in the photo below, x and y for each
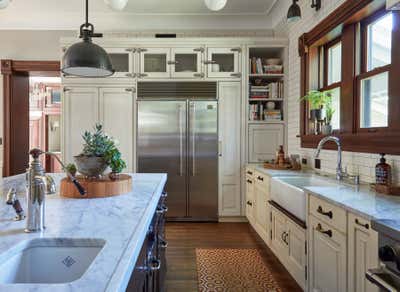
(87, 12)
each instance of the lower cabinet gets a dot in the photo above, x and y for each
(327, 257)
(288, 242)
(362, 255)
(250, 197)
(151, 265)
(260, 205)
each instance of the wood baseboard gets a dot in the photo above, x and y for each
(232, 219)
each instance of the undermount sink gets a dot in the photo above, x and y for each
(48, 260)
(288, 193)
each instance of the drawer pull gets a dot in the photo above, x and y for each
(326, 232)
(260, 178)
(162, 210)
(249, 203)
(249, 172)
(322, 212)
(366, 225)
(163, 242)
(164, 194)
(249, 181)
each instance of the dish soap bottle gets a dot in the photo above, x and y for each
(383, 172)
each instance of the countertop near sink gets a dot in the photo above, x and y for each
(122, 221)
(356, 199)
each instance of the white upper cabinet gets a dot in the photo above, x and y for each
(80, 113)
(223, 62)
(122, 61)
(116, 115)
(229, 148)
(155, 62)
(187, 62)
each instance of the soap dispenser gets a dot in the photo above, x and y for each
(383, 172)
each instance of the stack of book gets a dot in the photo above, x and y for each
(259, 91)
(276, 90)
(256, 112)
(275, 115)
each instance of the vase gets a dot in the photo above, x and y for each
(327, 129)
(90, 166)
(317, 114)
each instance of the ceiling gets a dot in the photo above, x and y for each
(139, 14)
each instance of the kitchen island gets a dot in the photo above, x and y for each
(121, 222)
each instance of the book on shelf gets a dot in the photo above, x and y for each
(257, 112)
(260, 66)
(275, 115)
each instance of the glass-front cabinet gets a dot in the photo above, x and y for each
(123, 62)
(223, 62)
(186, 62)
(155, 62)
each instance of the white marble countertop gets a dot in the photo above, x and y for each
(359, 200)
(122, 221)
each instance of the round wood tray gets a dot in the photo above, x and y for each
(97, 188)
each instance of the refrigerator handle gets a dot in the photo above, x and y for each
(180, 140)
(193, 135)
(220, 148)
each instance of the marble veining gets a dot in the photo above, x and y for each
(121, 221)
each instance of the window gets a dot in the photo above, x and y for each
(374, 79)
(335, 63)
(353, 55)
(379, 42)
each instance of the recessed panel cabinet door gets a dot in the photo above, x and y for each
(261, 210)
(280, 234)
(328, 257)
(186, 63)
(229, 148)
(80, 113)
(116, 115)
(155, 63)
(264, 140)
(250, 199)
(122, 62)
(363, 253)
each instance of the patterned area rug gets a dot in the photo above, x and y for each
(233, 270)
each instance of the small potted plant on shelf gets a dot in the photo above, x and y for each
(99, 152)
(71, 168)
(317, 100)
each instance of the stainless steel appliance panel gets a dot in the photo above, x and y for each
(162, 146)
(203, 159)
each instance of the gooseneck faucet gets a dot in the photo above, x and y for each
(339, 171)
(37, 188)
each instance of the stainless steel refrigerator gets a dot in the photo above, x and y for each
(178, 135)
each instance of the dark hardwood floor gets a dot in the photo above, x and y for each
(184, 238)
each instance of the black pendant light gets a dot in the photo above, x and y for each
(86, 59)
(294, 12)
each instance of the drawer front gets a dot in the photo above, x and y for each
(329, 213)
(262, 180)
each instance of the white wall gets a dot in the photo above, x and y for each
(360, 163)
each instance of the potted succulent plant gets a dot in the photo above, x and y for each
(71, 168)
(99, 151)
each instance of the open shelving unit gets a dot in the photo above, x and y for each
(266, 73)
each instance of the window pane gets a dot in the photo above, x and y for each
(380, 42)
(335, 122)
(374, 101)
(335, 63)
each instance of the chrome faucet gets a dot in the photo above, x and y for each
(38, 185)
(339, 171)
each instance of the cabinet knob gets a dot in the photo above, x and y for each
(260, 178)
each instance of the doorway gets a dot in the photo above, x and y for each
(31, 112)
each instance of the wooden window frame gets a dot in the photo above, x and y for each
(346, 21)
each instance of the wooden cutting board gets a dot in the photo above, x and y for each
(97, 188)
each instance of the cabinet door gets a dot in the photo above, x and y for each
(155, 63)
(223, 62)
(264, 140)
(297, 253)
(250, 199)
(279, 234)
(363, 253)
(186, 62)
(261, 211)
(328, 267)
(80, 113)
(122, 61)
(116, 115)
(229, 148)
